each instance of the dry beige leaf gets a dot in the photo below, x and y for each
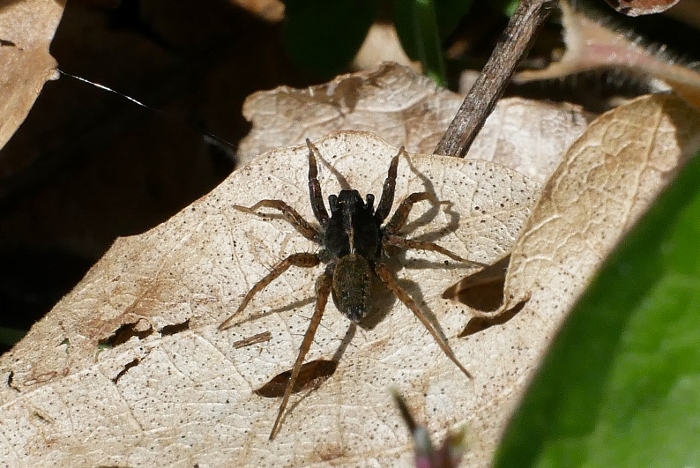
(172, 391)
(607, 180)
(269, 10)
(382, 44)
(529, 136)
(26, 31)
(407, 109)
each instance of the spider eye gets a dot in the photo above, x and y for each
(333, 202)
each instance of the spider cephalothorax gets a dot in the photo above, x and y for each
(354, 243)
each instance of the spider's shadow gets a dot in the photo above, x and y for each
(384, 301)
(342, 181)
(285, 308)
(425, 219)
(337, 356)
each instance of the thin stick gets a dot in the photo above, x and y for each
(497, 73)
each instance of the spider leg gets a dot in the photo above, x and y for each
(404, 243)
(323, 289)
(315, 193)
(401, 215)
(387, 199)
(304, 260)
(389, 280)
(290, 214)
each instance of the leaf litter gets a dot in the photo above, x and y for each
(188, 396)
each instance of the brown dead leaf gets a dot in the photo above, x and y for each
(26, 31)
(607, 180)
(269, 10)
(177, 390)
(407, 109)
(641, 7)
(592, 44)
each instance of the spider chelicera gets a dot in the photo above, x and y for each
(354, 246)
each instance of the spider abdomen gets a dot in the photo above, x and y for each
(352, 286)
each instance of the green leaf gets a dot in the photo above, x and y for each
(506, 7)
(323, 36)
(449, 13)
(417, 28)
(422, 25)
(620, 385)
(10, 336)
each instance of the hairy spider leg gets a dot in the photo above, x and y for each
(290, 214)
(400, 216)
(315, 193)
(323, 289)
(388, 278)
(304, 260)
(404, 243)
(397, 221)
(387, 199)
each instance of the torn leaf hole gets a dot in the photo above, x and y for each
(124, 333)
(175, 328)
(312, 375)
(134, 362)
(66, 343)
(477, 324)
(483, 290)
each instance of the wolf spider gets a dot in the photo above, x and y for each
(354, 247)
